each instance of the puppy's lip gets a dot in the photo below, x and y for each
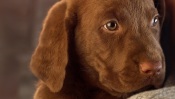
(151, 82)
(115, 91)
(158, 82)
(155, 81)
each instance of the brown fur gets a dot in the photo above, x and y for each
(77, 58)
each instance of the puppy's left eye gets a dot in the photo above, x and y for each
(111, 25)
(155, 21)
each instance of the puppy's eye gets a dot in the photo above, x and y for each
(155, 21)
(111, 25)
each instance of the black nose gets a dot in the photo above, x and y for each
(150, 68)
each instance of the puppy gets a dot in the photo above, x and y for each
(99, 49)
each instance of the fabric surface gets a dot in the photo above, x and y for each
(164, 93)
(167, 92)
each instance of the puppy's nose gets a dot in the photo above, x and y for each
(150, 68)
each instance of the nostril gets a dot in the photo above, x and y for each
(150, 68)
(147, 72)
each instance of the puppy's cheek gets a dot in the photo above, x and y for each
(114, 87)
(113, 84)
(107, 85)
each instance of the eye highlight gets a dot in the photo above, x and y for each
(111, 26)
(155, 21)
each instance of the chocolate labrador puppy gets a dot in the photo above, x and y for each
(99, 49)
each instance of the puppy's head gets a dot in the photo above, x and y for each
(117, 43)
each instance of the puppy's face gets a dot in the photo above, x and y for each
(118, 44)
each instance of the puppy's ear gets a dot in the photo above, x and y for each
(50, 58)
(160, 5)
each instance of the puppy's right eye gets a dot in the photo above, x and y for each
(111, 25)
(155, 21)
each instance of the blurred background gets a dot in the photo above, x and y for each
(20, 24)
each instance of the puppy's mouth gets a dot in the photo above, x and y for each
(128, 85)
(150, 84)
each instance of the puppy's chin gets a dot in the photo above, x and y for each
(131, 87)
(131, 92)
(113, 93)
(158, 83)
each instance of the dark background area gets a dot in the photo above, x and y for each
(20, 24)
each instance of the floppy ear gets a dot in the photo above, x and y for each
(160, 5)
(50, 58)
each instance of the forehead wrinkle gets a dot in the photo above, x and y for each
(124, 11)
(141, 12)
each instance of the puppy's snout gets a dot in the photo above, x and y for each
(150, 68)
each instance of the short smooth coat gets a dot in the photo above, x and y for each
(78, 57)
